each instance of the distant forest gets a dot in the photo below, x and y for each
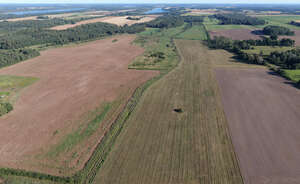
(24, 34)
(237, 18)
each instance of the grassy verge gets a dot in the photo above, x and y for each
(10, 87)
(293, 75)
(195, 32)
(266, 50)
(157, 41)
(74, 138)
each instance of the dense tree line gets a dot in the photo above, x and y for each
(287, 60)
(238, 18)
(134, 18)
(236, 46)
(170, 20)
(295, 23)
(7, 26)
(233, 45)
(193, 19)
(10, 57)
(29, 37)
(166, 21)
(35, 34)
(277, 30)
(17, 172)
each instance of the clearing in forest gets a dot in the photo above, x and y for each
(118, 20)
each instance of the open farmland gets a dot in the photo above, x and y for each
(159, 145)
(263, 115)
(281, 20)
(118, 20)
(80, 91)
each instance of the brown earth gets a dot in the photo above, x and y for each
(120, 21)
(72, 81)
(235, 34)
(263, 113)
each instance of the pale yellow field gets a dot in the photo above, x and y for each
(21, 19)
(119, 20)
(203, 11)
(123, 20)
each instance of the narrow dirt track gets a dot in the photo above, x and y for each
(73, 81)
(263, 113)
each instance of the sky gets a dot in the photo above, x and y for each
(157, 1)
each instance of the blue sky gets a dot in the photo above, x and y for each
(155, 1)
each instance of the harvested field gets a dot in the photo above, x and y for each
(123, 20)
(192, 145)
(73, 80)
(263, 116)
(204, 11)
(235, 34)
(20, 19)
(120, 21)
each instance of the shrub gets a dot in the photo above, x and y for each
(5, 108)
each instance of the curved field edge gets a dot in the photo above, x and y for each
(158, 145)
(87, 174)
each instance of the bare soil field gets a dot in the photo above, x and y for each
(263, 113)
(72, 81)
(158, 145)
(235, 34)
(120, 21)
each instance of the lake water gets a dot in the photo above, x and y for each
(155, 11)
(45, 11)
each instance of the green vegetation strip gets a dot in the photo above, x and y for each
(79, 135)
(293, 75)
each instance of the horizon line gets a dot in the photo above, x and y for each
(153, 3)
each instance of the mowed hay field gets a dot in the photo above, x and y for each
(80, 91)
(263, 113)
(158, 145)
(118, 20)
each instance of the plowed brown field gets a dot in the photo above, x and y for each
(73, 81)
(235, 34)
(263, 113)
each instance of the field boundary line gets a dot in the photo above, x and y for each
(98, 156)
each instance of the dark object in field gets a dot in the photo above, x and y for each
(178, 110)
